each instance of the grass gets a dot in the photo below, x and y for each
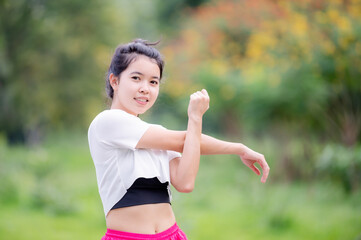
(230, 203)
(49, 192)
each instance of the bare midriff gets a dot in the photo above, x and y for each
(144, 219)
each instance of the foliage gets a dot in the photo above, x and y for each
(274, 62)
(54, 55)
(33, 177)
(169, 14)
(342, 164)
(49, 64)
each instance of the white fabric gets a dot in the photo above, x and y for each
(113, 136)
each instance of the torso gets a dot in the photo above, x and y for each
(144, 219)
(113, 136)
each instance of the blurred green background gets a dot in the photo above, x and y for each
(284, 78)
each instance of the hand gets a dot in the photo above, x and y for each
(198, 104)
(250, 157)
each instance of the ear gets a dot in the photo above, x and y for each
(113, 80)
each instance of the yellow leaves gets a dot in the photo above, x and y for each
(253, 72)
(259, 43)
(260, 74)
(299, 25)
(254, 50)
(218, 67)
(344, 24)
(176, 88)
(333, 14)
(355, 10)
(341, 22)
(321, 17)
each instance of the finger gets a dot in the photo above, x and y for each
(265, 176)
(204, 91)
(265, 170)
(205, 94)
(255, 169)
(195, 95)
(262, 162)
(198, 94)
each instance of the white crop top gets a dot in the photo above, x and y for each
(113, 136)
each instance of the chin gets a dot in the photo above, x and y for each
(142, 111)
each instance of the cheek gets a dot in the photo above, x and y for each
(155, 93)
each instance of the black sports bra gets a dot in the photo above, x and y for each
(144, 191)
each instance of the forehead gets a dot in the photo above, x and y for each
(144, 65)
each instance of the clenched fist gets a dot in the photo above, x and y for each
(198, 104)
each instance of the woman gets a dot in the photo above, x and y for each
(135, 161)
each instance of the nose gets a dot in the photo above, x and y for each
(144, 88)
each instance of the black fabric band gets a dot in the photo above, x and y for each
(144, 191)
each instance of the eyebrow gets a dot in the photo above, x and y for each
(139, 73)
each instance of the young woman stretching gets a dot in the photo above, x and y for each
(136, 162)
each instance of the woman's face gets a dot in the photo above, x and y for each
(138, 86)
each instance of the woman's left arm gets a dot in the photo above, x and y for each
(160, 138)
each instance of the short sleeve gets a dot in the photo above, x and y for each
(173, 154)
(120, 129)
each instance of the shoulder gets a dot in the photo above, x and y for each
(117, 123)
(113, 116)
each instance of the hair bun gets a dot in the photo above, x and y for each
(145, 42)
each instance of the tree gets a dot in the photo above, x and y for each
(271, 63)
(52, 54)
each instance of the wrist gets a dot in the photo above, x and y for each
(242, 149)
(195, 118)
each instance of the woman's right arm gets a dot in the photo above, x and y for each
(183, 170)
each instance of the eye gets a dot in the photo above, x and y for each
(154, 82)
(136, 78)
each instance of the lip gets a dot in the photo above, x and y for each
(142, 100)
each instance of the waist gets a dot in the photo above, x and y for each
(143, 219)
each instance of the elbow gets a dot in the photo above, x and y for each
(185, 187)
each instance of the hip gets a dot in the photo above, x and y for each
(172, 233)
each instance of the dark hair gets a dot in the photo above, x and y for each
(127, 53)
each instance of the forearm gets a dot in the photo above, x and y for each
(164, 139)
(209, 145)
(213, 146)
(189, 164)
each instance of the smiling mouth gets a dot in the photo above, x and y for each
(141, 100)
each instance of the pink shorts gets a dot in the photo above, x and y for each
(172, 233)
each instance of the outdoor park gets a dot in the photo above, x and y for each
(283, 77)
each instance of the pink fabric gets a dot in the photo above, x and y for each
(172, 233)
